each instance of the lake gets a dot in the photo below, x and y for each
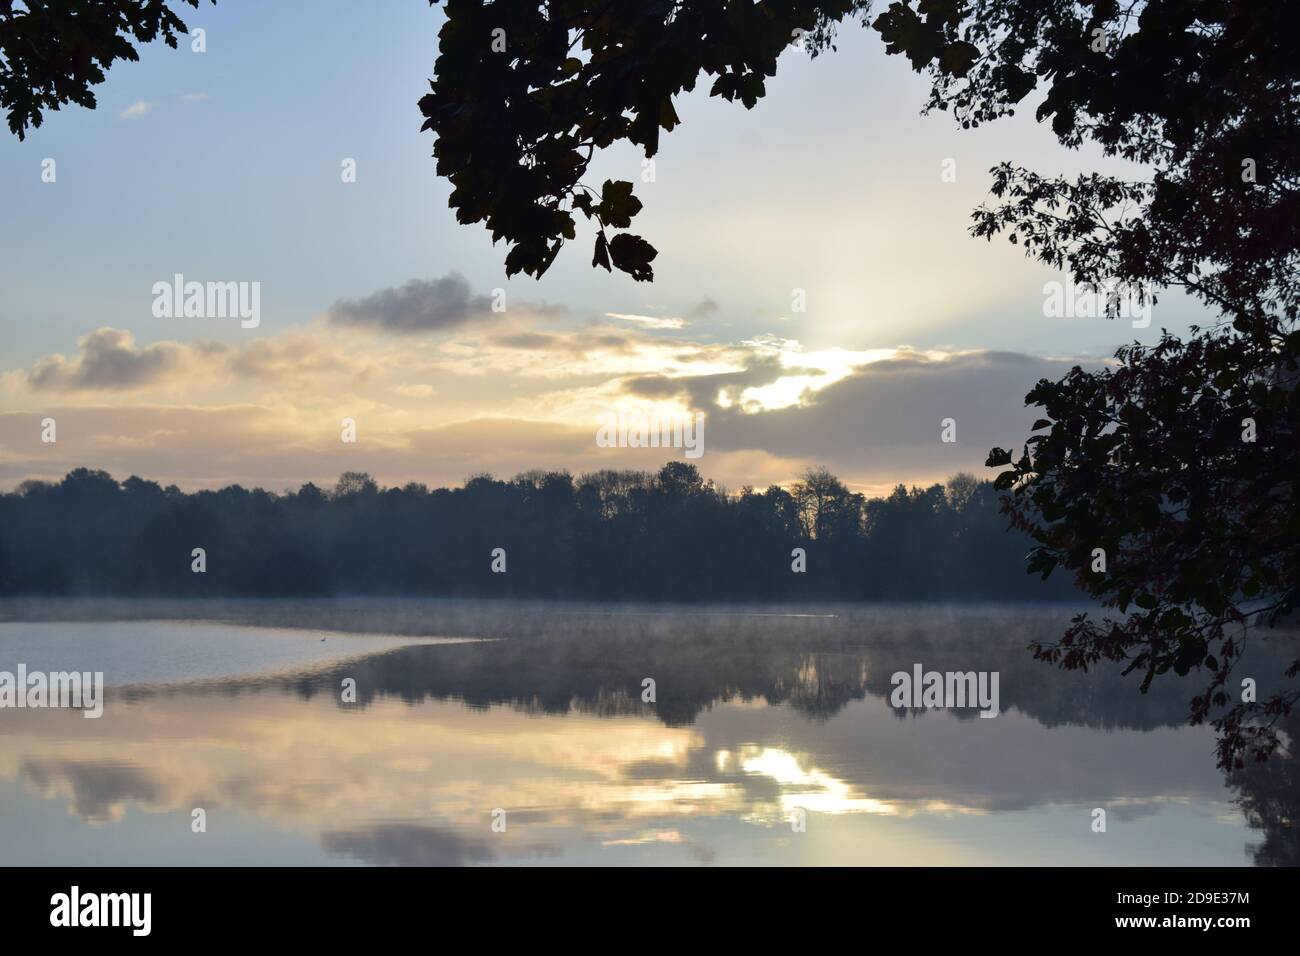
(479, 733)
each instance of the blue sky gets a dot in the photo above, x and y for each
(231, 171)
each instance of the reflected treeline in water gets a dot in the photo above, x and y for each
(759, 713)
(546, 658)
(1269, 796)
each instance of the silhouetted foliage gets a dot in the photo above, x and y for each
(1149, 460)
(1179, 461)
(1267, 794)
(531, 89)
(607, 535)
(525, 92)
(1145, 459)
(53, 51)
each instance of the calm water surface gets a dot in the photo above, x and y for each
(464, 708)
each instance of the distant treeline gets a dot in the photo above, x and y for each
(607, 535)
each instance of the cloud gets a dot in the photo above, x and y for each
(649, 321)
(407, 844)
(100, 790)
(278, 448)
(875, 427)
(884, 419)
(572, 344)
(286, 356)
(530, 341)
(704, 309)
(109, 360)
(702, 391)
(504, 398)
(423, 305)
(415, 391)
(137, 109)
(420, 305)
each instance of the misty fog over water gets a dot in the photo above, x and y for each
(761, 715)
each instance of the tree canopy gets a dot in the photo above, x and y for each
(53, 51)
(1179, 461)
(669, 535)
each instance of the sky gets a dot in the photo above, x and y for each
(377, 307)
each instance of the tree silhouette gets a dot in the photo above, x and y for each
(1147, 460)
(665, 536)
(1268, 794)
(524, 93)
(53, 51)
(824, 504)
